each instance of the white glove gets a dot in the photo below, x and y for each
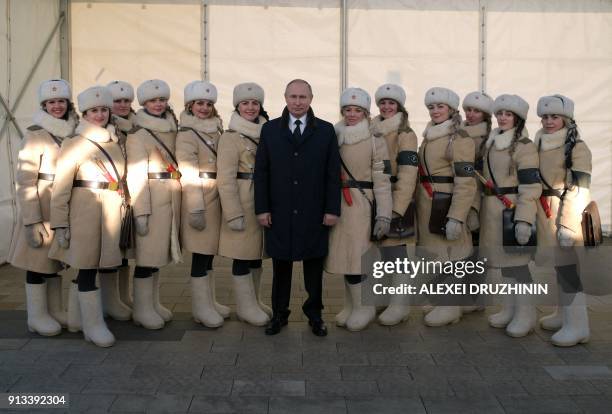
(381, 227)
(522, 232)
(237, 224)
(142, 225)
(35, 234)
(565, 237)
(63, 237)
(453, 229)
(473, 221)
(197, 220)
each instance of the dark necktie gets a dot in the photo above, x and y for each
(297, 132)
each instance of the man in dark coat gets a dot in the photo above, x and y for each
(297, 199)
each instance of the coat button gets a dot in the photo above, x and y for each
(295, 154)
(295, 212)
(295, 182)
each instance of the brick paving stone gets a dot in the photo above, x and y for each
(323, 389)
(36, 383)
(244, 373)
(384, 405)
(160, 403)
(482, 388)
(57, 344)
(12, 343)
(296, 405)
(522, 405)
(518, 372)
(7, 381)
(85, 371)
(366, 346)
(541, 386)
(308, 373)
(313, 358)
(41, 369)
(415, 388)
(83, 356)
(456, 405)
(402, 359)
(603, 386)
(19, 356)
(193, 370)
(579, 372)
(443, 373)
(247, 359)
(268, 388)
(593, 404)
(91, 403)
(431, 346)
(229, 405)
(182, 385)
(122, 386)
(372, 373)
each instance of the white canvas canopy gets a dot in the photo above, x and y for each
(530, 48)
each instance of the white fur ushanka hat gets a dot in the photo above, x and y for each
(513, 103)
(151, 89)
(442, 95)
(121, 90)
(556, 105)
(197, 90)
(246, 91)
(478, 100)
(95, 96)
(390, 91)
(54, 89)
(357, 97)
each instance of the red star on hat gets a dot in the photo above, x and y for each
(353, 97)
(54, 88)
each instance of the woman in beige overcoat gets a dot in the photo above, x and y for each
(392, 124)
(478, 107)
(86, 206)
(365, 157)
(52, 123)
(241, 237)
(115, 283)
(446, 160)
(566, 192)
(155, 192)
(511, 163)
(196, 150)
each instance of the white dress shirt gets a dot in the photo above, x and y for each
(292, 120)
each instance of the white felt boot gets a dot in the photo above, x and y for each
(164, 312)
(575, 329)
(502, 318)
(55, 302)
(348, 307)
(125, 293)
(111, 301)
(247, 308)
(398, 309)
(143, 312)
(94, 327)
(202, 306)
(443, 315)
(39, 319)
(257, 286)
(74, 310)
(361, 315)
(525, 317)
(221, 309)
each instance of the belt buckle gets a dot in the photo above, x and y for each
(175, 175)
(113, 186)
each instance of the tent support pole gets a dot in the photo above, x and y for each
(65, 41)
(33, 70)
(204, 69)
(10, 117)
(343, 45)
(482, 45)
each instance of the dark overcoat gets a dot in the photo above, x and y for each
(297, 182)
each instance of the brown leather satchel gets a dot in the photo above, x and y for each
(591, 225)
(440, 204)
(403, 226)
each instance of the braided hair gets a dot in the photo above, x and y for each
(455, 117)
(570, 140)
(519, 127)
(483, 144)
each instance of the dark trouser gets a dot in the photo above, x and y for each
(35, 278)
(86, 279)
(568, 278)
(313, 282)
(243, 267)
(124, 263)
(144, 272)
(519, 273)
(201, 264)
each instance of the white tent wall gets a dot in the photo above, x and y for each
(24, 29)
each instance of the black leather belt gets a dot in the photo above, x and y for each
(393, 179)
(551, 192)
(500, 191)
(209, 175)
(164, 175)
(46, 176)
(96, 185)
(357, 184)
(244, 176)
(438, 179)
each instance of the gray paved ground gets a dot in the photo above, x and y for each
(467, 367)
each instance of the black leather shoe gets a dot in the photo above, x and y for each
(318, 327)
(275, 325)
